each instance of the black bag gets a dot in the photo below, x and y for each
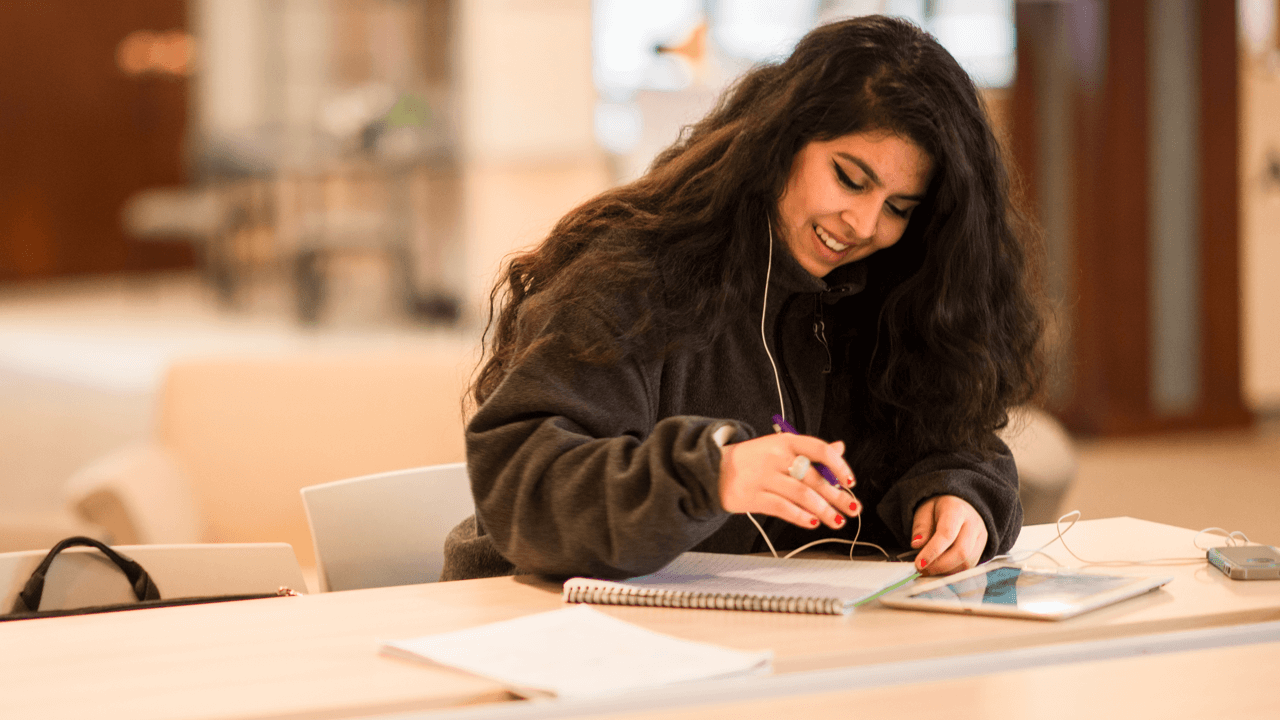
(27, 604)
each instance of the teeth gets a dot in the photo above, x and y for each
(829, 241)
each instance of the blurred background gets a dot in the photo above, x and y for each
(307, 201)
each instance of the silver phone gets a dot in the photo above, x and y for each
(1252, 562)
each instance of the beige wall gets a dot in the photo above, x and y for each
(525, 80)
(528, 148)
(1260, 229)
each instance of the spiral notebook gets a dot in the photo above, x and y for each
(748, 582)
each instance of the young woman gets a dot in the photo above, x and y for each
(834, 244)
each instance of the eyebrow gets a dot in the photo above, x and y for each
(873, 176)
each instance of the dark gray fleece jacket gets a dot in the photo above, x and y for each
(611, 470)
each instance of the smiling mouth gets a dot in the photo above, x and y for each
(831, 243)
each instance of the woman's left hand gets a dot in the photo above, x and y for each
(950, 534)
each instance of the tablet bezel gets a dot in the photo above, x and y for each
(904, 597)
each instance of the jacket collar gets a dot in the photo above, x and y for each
(790, 278)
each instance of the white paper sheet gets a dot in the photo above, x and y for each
(579, 652)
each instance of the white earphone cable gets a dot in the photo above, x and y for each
(782, 410)
(764, 310)
(1234, 539)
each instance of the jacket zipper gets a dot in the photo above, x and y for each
(820, 332)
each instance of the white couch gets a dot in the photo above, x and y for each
(236, 438)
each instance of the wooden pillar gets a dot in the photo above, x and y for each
(1221, 356)
(1104, 381)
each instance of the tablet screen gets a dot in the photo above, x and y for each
(1032, 590)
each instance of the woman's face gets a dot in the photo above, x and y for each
(849, 197)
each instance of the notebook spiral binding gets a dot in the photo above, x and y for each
(649, 597)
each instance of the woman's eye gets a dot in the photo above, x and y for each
(844, 179)
(904, 214)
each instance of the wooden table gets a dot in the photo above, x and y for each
(318, 655)
(1228, 682)
(1199, 597)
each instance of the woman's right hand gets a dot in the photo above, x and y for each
(755, 477)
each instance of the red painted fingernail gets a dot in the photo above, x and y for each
(839, 521)
(916, 538)
(853, 506)
(814, 522)
(849, 481)
(921, 563)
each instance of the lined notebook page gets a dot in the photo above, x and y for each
(845, 583)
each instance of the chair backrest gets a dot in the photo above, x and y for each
(386, 529)
(1046, 460)
(82, 576)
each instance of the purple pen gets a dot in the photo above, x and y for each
(781, 425)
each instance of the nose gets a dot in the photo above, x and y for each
(862, 218)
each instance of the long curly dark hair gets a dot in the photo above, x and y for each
(954, 306)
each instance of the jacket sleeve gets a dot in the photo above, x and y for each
(573, 474)
(990, 485)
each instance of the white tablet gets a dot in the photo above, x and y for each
(1015, 591)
